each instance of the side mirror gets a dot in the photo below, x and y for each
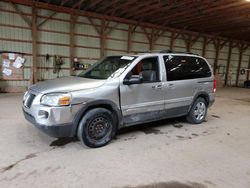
(134, 79)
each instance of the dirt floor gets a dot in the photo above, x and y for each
(169, 153)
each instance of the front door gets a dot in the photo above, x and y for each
(145, 101)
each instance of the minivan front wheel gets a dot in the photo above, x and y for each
(96, 128)
(198, 112)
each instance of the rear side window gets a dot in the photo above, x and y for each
(185, 67)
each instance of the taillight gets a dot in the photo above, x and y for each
(214, 88)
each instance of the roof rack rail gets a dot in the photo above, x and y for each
(164, 51)
(171, 51)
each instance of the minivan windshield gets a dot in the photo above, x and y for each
(111, 66)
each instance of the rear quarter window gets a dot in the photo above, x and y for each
(185, 67)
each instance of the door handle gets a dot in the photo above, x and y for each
(170, 86)
(157, 86)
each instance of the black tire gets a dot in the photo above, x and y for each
(198, 111)
(96, 128)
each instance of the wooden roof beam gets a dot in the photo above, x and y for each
(235, 28)
(191, 8)
(222, 23)
(125, 5)
(117, 10)
(227, 5)
(214, 19)
(191, 19)
(91, 4)
(147, 9)
(182, 6)
(195, 12)
(63, 2)
(136, 8)
(101, 16)
(107, 5)
(156, 12)
(236, 31)
(78, 4)
(208, 8)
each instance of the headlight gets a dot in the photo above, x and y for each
(56, 99)
(25, 95)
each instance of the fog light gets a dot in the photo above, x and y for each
(43, 114)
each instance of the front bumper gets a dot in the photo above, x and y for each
(54, 121)
(59, 130)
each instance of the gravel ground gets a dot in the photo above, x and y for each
(169, 153)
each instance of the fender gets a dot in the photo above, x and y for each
(110, 105)
(202, 94)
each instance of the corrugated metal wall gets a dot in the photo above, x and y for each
(54, 39)
(20, 40)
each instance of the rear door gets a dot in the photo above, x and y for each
(180, 86)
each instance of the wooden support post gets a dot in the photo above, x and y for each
(103, 32)
(100, 32)
(190, 40)
(102, 39)
(33, 77)
(151, 41)
(248, 72)
(188, 43)
(204, 48)
(153, 36)
(174, 36)
(217, 52)
(242, 48)
(131, 30)
(238, 69)
(73, 19)
(218, 46)
(130, 27)
(149, 36)
(228, 63)
(172, 40)
(159, 34)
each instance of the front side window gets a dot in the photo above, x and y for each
(147, 68)
(185, 67)
(111, 66)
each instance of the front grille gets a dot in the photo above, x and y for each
(29, 100)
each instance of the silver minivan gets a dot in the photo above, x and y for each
(120, 91)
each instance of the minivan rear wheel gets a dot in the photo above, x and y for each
(96, 128)
(198, 111)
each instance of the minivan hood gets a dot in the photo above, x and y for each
(66, 84)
